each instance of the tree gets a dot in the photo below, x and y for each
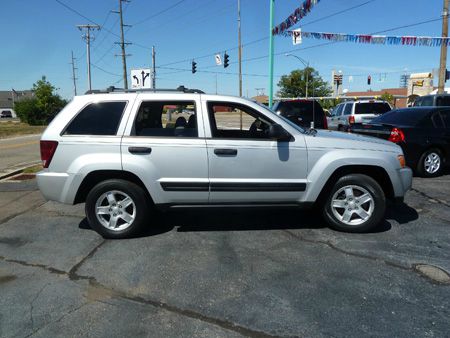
(294, 84)
(43, 106)
(388, 98)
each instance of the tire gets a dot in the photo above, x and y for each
(117, 208)
(431, 163)
(343, 210)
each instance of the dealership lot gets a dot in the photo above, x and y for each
(256, 273)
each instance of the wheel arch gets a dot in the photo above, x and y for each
(98, 176)
(379, 174)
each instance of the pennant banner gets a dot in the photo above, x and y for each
(295, 17)
(427, 41)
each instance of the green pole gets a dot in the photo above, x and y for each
(272, 5)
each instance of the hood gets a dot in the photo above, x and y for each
(340, 140)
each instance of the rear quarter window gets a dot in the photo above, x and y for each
(102, 118)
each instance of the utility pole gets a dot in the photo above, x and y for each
(443, 63)
(122, 44)
(153, 68)
(88, 39)
(240, 48)
(271, 50)
(73, 75)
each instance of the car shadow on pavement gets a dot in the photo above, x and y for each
(187, 220)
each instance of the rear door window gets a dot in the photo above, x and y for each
(375, 108)
(427, 101)
(166, 119)
(102, 118)
(339, 110)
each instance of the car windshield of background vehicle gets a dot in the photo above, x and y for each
(166, 119)
(406, 117)
(292, 124)
(372, 108)
(100, 118)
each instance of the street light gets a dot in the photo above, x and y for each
(306, 64)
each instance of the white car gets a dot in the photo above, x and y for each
(363, 111)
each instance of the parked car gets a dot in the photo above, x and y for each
(422, 132)
(120, 153)
(6, 114)
(432, 100)
(302, 112)
(348, 113)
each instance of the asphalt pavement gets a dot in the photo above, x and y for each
(253, 273)
(17, 151)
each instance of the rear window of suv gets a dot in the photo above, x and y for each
(102, 118)
(372, 108)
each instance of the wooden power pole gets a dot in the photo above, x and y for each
(122, 44)
(443, 63)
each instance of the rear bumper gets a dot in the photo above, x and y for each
(60, 187)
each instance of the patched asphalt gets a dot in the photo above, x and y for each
(253, 273)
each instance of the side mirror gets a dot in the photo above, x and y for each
(277, 132)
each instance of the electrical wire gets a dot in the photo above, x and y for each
(159, 13)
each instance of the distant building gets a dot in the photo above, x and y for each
(8, 98)
(404, 78)
(420, 84)
(263, 99)
(400, 95)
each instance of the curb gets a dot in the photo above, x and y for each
(15, 171)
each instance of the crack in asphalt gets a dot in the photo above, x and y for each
(438, 201)
(7, 219)
(74, 276)
(32, 304)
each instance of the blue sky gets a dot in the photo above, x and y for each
(38, 37)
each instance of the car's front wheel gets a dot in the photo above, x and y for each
(356, 204)
(117, 208)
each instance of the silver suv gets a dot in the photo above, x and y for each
(126, 154)
(363, 111)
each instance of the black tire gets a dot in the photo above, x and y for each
(119, 189)
(422, 166)
(374, 208)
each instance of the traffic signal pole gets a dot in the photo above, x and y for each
(271, 49)
(443, 62)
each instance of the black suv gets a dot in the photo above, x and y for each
(302, 112)
(432, 100)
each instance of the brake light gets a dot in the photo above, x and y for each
(48, 149)
(325, 122)
(397, 135)
(351, 119)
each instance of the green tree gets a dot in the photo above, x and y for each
(42, 106)
(389, 98)
(294, 84)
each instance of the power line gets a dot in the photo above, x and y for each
(159, 13)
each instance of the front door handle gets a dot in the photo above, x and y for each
(140, 150)
(225, 152)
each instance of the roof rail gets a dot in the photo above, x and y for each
(113, 89)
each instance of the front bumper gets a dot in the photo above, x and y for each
(404, 184)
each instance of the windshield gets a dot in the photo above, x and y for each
(293, 125)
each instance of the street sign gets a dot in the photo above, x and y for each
(297, 36)
(218, 59)
(140, 78)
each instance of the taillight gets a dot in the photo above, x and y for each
(351, 119)
(325, 122)
(48, 149)
(397, 135)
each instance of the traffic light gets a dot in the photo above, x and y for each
(447, 75)
(194, 67)
(369, 80)
(225, 60)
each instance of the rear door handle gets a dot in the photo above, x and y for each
(225, 152)
(140, 150)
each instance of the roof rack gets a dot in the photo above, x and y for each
(113, 89)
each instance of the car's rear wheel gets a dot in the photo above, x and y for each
(430, 163)
(117, 208)
(356, 204)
